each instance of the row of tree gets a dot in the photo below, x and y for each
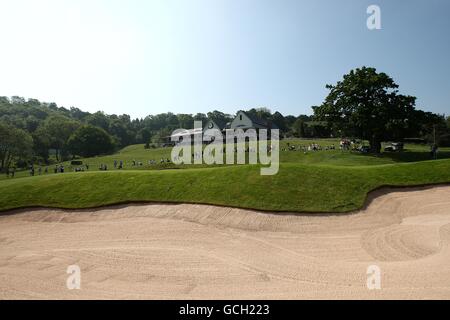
(38, 132)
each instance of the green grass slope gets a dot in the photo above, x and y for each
(298, 187)
(413, 153)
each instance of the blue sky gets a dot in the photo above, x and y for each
(145, 57)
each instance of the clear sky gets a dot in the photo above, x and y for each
(145, 57)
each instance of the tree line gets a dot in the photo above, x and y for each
(38, 132)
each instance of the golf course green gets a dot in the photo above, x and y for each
(321, 181)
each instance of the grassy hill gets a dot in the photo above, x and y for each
(322, 181)
(413, 153)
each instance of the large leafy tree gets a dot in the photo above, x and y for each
(219, 117)
(279, 120)
(299, 128)
(98, 119)
(88, 141)
(41, 143)
(145, 136)
(185, 121)
(59, 129)
(367, 104)
(15, 144)
(119, 130)
(201, 117)
(263, 113)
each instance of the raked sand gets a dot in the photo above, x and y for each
(162, 251)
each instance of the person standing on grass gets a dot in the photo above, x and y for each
(115, 164)
(13, 172)
(434, 150)
(40, 170)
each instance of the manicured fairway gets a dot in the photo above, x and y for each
(413, 153)
(322, 181)
(297, 187)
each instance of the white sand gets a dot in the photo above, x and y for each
(184, 251)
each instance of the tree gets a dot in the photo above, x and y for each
(4, 100)
(185, 121)
(290, 120)
(88, 141)
(118, 129)
(161, 136)
(201, 117)
(219, 117)
(144, 136)
(59, 129)
(15, 144)
(77, 113)
(17, 100)
(299, 128)
(98, 119)
(31, 123)
(367, 104)
(41, 143)
(262, 113)
(279, 120)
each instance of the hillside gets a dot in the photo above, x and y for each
(323, 181)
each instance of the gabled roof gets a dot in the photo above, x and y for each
(219, 123)
(262, 122)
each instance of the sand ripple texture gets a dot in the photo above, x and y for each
(185, 251)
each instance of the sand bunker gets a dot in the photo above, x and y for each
(204, 252)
